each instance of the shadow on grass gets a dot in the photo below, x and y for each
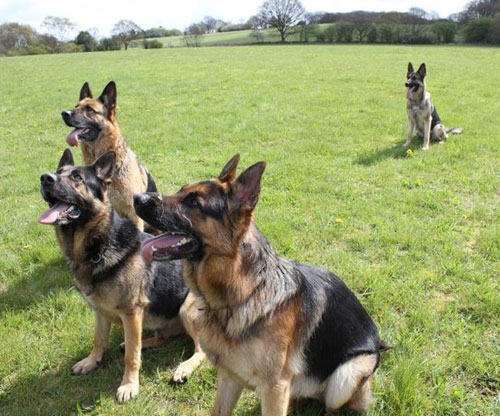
(58, 392)
(307, 407)
(395, 152)
(36, 282)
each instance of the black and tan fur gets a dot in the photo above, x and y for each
(98, 132)
(103, 251)
(423, 118)
(285, 329)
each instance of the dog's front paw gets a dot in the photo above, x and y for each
(85, 366)
(126, 391)
(425, 148)
(182, 373)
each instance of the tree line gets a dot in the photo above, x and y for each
(478, 23)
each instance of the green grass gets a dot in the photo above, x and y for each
(416, 235)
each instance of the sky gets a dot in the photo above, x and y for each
(102, 14)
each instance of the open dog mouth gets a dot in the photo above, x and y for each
(81, 133)
(60, 213)
(168, 246)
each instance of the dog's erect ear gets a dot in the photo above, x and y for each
(410, 70)
(66, 159)
(422, 72)
(246, 189)
(105, 166)
(229, 171)
(108, 97)
(85, 92)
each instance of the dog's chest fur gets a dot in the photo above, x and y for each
(419, 109)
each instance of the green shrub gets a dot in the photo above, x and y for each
(445, 31)
(478, 30)
(152, 44)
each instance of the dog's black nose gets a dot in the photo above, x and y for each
(141, 200)
(48, 178)
(66, 114)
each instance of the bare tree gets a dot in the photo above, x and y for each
(59, 27)
(126, 31)
(194, 35)
(282, 15)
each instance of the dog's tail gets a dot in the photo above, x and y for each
(455, 130)
(384, 346)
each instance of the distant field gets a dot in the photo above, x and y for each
(230, 38)
(415, 234)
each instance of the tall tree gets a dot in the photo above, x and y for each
(126, 31)
(59, 27)
(14, 35)
(283, 15)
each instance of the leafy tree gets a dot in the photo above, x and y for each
(59, 27)
(109, 44)
(361, 30)
(14, 35)
(495, 30)
(126, 31)
(344, 32)
(86, 40)
(372, 34)
(283, 15)
(478, 30)
(445, 31)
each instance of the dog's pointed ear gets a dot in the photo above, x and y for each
(229, 171)
(66, 159)
(422, 72)
(410, 70)
(246, 189)
(85, 92)
(108, 97)
(104, 166)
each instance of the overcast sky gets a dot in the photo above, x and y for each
(102, 14)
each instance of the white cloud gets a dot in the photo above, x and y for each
(180, 14)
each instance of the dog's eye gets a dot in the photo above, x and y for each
(192, 200)
(76, 177)
(89, 109)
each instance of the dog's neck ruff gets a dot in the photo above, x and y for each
(275, 285)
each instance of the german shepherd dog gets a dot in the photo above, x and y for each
(97, 129)
(104, 256)
(286, 329)
(423, 118)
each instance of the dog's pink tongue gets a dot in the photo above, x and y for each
(72, 138)
(162, 241)
(52, 214)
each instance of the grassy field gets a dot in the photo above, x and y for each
(415, 234)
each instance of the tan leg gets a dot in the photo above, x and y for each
(411, 128)
(188, 313)
(132, 327)
(427, 133)
(228, 393)
(101, 344)
(275, 398)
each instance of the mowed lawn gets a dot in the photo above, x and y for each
(415, 234)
